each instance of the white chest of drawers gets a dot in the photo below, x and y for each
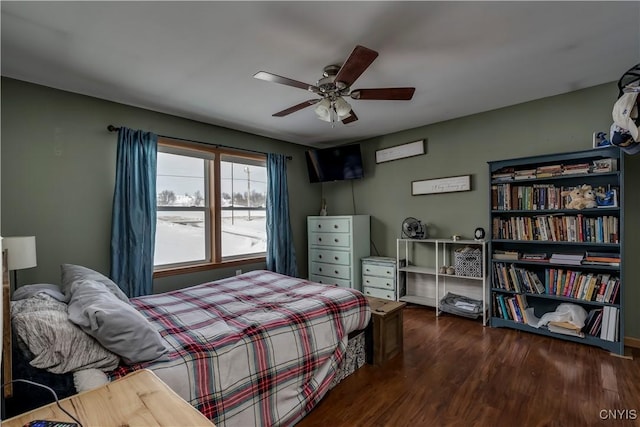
(379, 277)
(336, 246)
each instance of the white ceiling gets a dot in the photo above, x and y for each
(197, 59)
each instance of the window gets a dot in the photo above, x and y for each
(211, 206)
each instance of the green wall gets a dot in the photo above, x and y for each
(463, 147)
(58, 171)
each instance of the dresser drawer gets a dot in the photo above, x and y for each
(331, 281)
(378, 282)
(379, 293)
(338, 240)
(378, 270)
(332, 225)
(330, 256)
(331, 270)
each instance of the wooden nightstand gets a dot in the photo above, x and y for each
(139, 399)
(384, 334)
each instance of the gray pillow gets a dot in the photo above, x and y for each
(115, 324)
(42, 325)
(27, 291)
(72, 273)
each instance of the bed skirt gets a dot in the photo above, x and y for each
(354, 358)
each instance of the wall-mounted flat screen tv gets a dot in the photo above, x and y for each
(335, 164)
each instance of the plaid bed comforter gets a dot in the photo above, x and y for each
(255, 349)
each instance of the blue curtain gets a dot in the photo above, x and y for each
(133, 223)
(281, 255)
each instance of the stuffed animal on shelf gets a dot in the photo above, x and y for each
(581, 198)
(576, 198)
(589, 196)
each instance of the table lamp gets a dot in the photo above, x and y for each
(21, 254)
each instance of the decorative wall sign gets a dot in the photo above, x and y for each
(441, 185)
(400, 151)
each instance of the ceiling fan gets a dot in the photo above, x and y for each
(336, 84)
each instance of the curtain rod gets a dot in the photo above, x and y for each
(112, 128)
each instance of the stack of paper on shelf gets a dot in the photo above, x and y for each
(566, 328)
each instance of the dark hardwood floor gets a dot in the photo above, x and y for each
(454, 372)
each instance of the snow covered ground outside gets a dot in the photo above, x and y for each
(180, 236)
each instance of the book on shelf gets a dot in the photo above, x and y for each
(535, 257)
(562, 258)
(548, 171)
(588, 254)
(590, 319)
(565, 331)
(602, 263)
(505, 255)
(604, 165)
(604, 327)
(607, 198)
(580, 168)
(610, 329)
(602, 258)
(595, 324)
(524, 174)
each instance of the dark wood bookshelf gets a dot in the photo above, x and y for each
(505, 218)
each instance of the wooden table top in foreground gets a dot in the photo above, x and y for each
(139, 399)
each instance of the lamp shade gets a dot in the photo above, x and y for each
(323, 110)
(342, 108)
(21, 252)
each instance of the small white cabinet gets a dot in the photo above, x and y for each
(425, 284)
(379, 278)
(336, 246)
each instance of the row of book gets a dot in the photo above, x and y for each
(601, 322)
(587, 258)
(517, 279)
(539, 196)
(510, 307)
(602, 287)
(557, 228)
(599, 287)
(559, 169)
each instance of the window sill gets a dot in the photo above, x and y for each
(166, 272)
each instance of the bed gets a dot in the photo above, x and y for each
(255, 349)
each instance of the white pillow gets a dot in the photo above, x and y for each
(115, 324)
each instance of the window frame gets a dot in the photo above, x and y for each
(212, 209)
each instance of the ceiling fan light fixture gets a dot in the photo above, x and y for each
(323, 110)
(343, 109)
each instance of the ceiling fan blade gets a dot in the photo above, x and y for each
(350, 118)
(358, 61)
(274, 78)
(296, 108)
(388, 93)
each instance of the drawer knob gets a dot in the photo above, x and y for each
(319, 268)
(335, 240)
(335, 257)
(335, 226)
(367, 281)
(319, 239)
(368, 269)
(319, 225)
(335, 271)
(320, 256)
